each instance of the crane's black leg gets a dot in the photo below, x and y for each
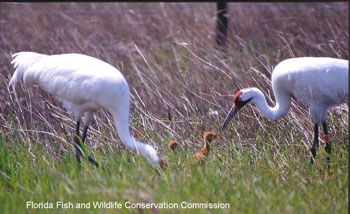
(83, 137)
(328, 147)
(77, 142)
(77, 145)
(315, 145)
(84, 133)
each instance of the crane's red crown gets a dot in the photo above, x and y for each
(237, 95)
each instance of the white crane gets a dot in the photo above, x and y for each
(320, 83)
(83, 84)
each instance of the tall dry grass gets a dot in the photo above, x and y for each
(168, 55)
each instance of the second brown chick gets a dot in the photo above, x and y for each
(174, 145)
(204, 152)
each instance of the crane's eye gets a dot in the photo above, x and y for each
(240, 103)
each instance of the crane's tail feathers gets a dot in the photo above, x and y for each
(21, 62)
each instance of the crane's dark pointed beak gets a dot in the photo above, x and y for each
(229, 116)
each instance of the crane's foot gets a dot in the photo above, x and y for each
(78, 155)
(78, 152)
(93, 161)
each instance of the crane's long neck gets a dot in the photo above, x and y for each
(283, 102)
(121, 119)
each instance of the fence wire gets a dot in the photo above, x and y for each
(231, 7)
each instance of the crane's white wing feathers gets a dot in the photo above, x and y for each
(321, 80)
(83, 84)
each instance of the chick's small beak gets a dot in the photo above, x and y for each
(229, 116)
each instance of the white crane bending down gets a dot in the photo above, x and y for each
(318, 82)
(83, 84)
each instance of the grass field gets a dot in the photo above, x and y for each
(167, 53)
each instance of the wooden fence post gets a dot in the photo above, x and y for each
(221, 23)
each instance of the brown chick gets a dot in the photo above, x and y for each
(174, 145)
(203, 153)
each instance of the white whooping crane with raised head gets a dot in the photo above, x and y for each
(83, 84)
(320, 83)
